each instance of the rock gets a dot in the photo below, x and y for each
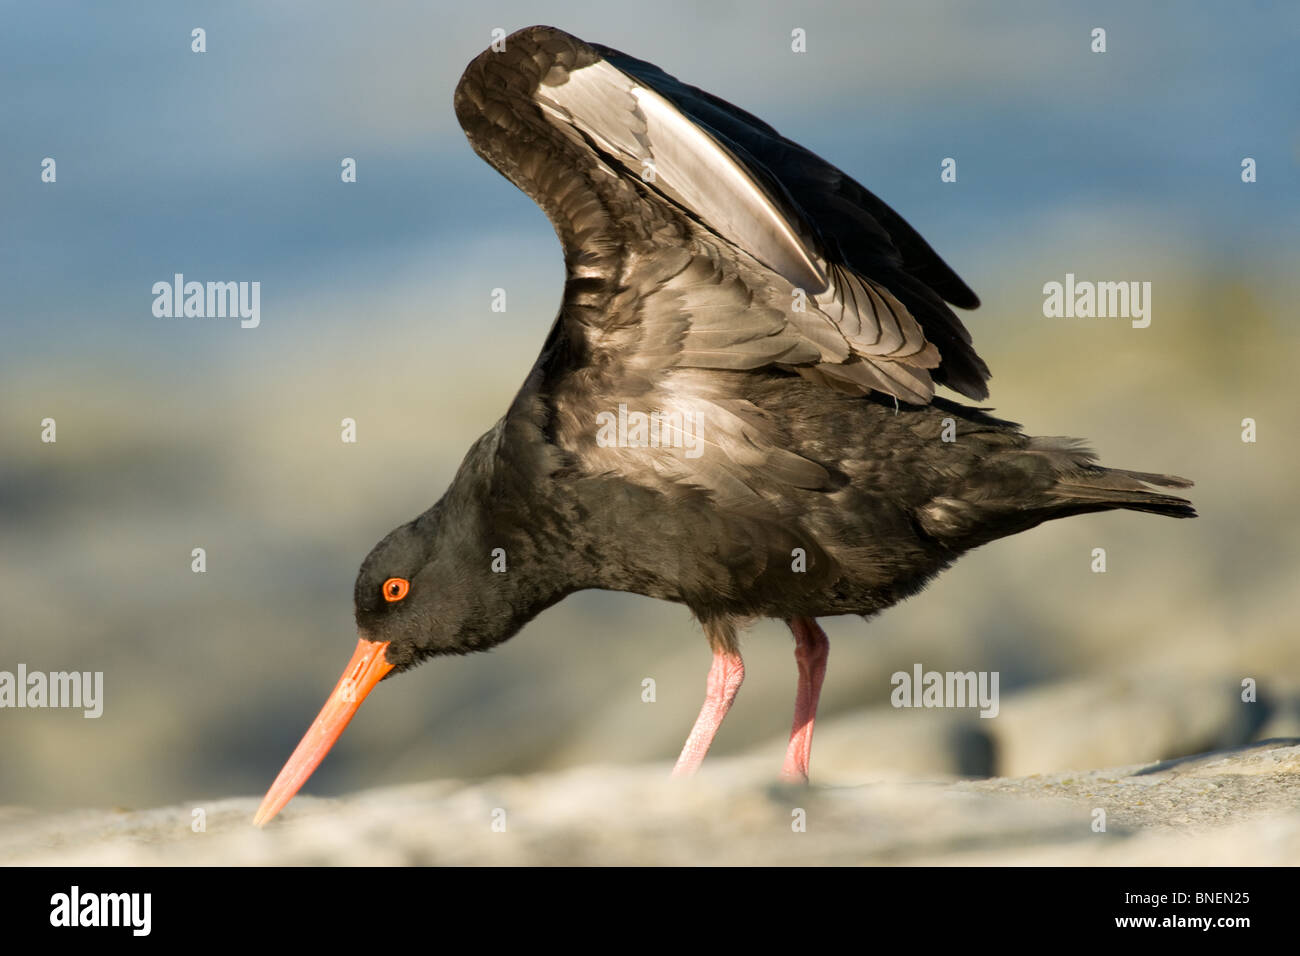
(1091, 721)
(1108, 720)
(1234, 807)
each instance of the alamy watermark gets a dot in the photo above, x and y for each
(74, 689)
(213, 300)
(650, 430)
(1101, 300)
(922, 688)
(132, 911)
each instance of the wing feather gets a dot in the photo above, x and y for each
(629, 163)
(698, 243)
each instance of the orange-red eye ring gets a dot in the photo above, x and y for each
(395, 589)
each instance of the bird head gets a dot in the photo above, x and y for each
(413, 593)
(438, 585)
(412, 598)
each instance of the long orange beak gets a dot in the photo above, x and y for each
(366, 669)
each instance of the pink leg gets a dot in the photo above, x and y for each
(810, 651)
(725, 675)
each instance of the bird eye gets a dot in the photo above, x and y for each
(395, 589)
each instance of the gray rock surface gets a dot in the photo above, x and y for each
(1239, 807)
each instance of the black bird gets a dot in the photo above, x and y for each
(734, 409)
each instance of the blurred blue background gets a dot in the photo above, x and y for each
(183, 433)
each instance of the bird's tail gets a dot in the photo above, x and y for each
(1087, 486)
(1014, 482)
(1098, 488)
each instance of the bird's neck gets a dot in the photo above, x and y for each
(520, 517)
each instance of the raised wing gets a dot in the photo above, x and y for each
(868, 236)
(697, 237)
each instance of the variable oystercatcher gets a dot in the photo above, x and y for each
(734, 409)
